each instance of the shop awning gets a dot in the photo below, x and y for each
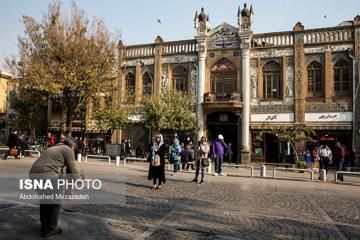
(327, 138)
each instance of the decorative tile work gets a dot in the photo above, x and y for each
(289, 60)
(149, 61)
(339, 107)
(338, 56)
(322, 49)
(314, 57)
(253, 62)
(254, 81)
(272, 108)
(299, 38)
(263, 61)
(194, 77)
(179, 59)
(271, 53)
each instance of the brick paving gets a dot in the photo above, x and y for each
(223, 208)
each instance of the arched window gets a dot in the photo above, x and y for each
(223, 78)
(272, 80)
(147, 83)
(130, 86)
(315, 79)
(341, 78)
(180, 76)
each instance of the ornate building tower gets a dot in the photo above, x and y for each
(245, 21)
(202, 26)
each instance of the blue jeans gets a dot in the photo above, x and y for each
(340, 167)
(218, 162)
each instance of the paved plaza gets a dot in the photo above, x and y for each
(224, 207)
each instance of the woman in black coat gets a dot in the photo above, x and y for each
(157, 162)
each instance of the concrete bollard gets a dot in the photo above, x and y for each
(79, 157)
(117, 161)
(322, 174)
(263, 171)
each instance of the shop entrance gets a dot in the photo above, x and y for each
(271, 148)
(225, 123)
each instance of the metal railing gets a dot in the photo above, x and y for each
(293, 169)
(241, 166)
(97, 156)
(345, 172)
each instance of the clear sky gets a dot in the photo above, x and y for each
(136, 20)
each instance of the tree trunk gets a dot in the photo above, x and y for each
(69, 118)
(296, 154)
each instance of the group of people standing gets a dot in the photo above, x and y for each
(187, 155)
(342, 157)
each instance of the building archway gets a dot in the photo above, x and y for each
(227, 124)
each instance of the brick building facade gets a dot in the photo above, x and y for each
(240, 79)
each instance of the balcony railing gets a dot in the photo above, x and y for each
(176, 47)
(328, 35)
(216, 97)
(342, 34)
(277, 39)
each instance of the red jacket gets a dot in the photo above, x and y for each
(340, 156)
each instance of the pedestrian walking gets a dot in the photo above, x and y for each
(123, 151)
(51, 165)
(23, 144)
(229, 153)
(201, 159)
(81, 146)
(129, 149)
(175, 155)
(157, 163)
(14, 145)
(218, 148)
(325, 154)
(308, 159)
(339, 159)
(190, 148)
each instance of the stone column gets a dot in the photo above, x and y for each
(356, 121)
(157, 67)
(299, 81)
(329, 81)
(201, 86)
(245, 46)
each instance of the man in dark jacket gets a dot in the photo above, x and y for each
(340, 158)
(13, 143)
(50, 165)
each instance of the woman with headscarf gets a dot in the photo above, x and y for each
(175, 155)
(157, 162)
(201, 159)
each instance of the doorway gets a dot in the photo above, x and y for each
(225, 123)
(272, 148)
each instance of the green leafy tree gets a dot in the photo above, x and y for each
(295, 135)
(111, 119)
(66, 57)
(31, 111)
(171, 111)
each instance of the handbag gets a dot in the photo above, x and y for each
(155, 161)
(13, 152)
(205, 162)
